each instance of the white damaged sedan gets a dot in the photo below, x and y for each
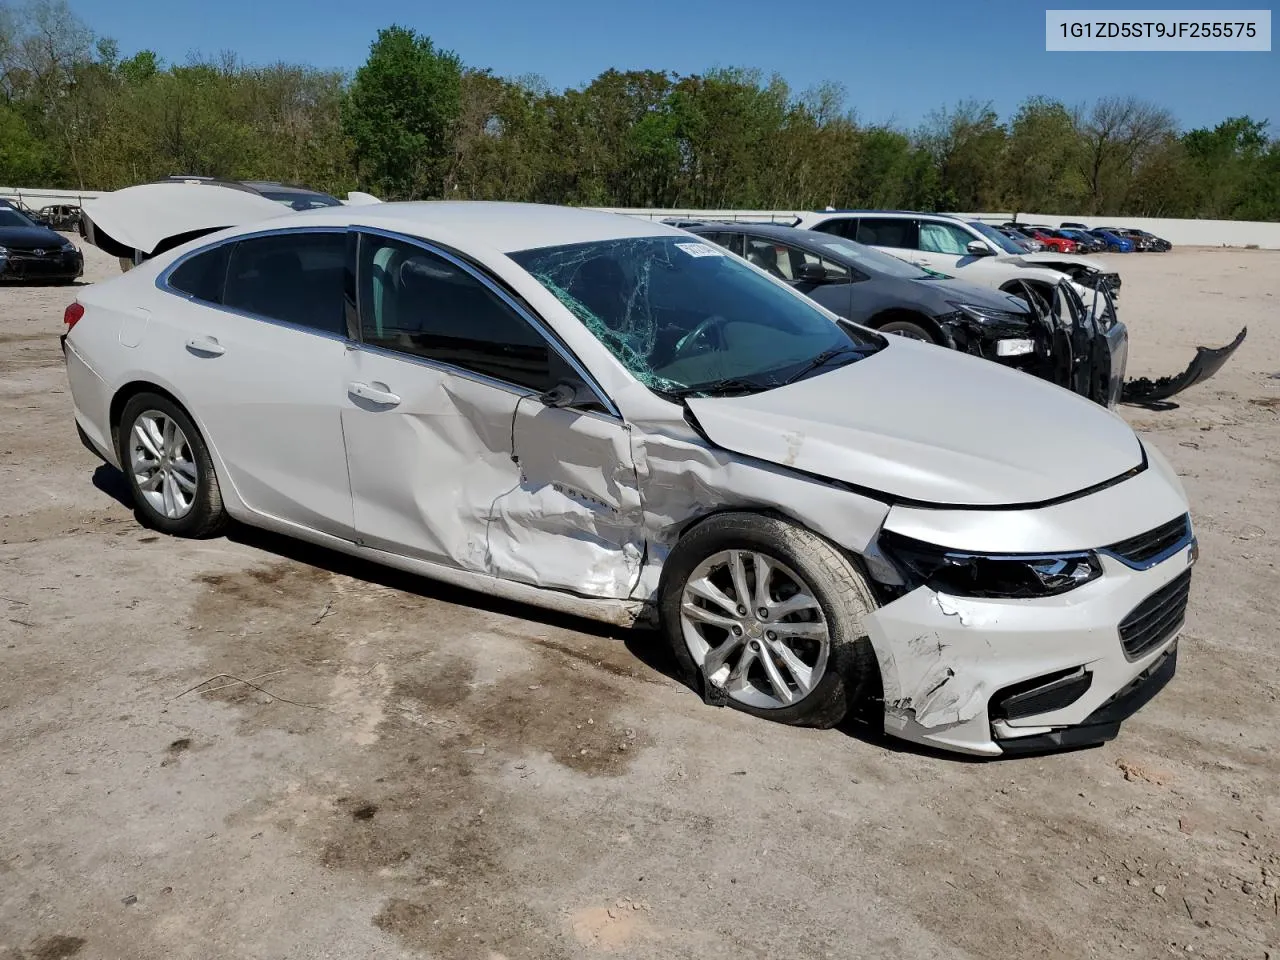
(608, 416)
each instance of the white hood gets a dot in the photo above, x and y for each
(1048, 258)
(144, 216)
(924, 423)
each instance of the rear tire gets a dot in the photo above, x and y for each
(169, 470)
(803, 572)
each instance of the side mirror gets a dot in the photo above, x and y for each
(978, 248)
(566, 393)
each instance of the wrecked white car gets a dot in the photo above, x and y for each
(603, 415)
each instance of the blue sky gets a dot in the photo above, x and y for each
(897, 60)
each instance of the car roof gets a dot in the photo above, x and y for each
(507, 227)
(777, 230)
(274, 187)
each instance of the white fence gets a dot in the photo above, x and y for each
(1199, 233)
(39, 197)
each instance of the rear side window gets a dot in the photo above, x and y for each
(733, 241)
(840, 227)
(900, 233)
(415, 302)
(295, 277)
(202, 276)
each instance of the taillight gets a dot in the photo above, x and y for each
(71, 316)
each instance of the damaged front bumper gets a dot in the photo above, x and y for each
(992, 676)
(1206, 362)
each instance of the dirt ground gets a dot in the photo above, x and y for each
(418, 771)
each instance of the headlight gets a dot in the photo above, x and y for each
(1014, 347)
(1012, 576)
(988, 314)
(68, 246)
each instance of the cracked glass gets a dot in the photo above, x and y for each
(685, 317)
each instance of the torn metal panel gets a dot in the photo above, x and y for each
(574, 521)
(683, 479)
(934, 677)
(1207, 362)
(464, 472)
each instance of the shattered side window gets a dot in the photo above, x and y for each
(680, 314)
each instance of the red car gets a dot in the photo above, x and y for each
(1053, 240)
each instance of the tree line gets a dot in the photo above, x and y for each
(415, 122)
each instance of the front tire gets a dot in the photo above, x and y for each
(770, 616)
(170, 472)
(905, 328)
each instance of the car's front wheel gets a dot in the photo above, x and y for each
(767, 616)
(169, 469)
(908, 329)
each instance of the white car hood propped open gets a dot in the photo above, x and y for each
(922, 423)
(143, 217)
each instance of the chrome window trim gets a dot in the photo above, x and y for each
(538, 325)
(163, 285)
(1186, 540)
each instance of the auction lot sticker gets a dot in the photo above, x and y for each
(1158, 30)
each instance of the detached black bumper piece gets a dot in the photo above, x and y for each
(1104, 723)
(1206, 362)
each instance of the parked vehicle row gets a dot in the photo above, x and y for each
(615, 417)
(1123, 239)
(1068, 334)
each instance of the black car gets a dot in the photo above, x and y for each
(1059, 341)
(29, 251)
(1147, 241)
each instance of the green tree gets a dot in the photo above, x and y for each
(1042, 160)
(401, 114)
(966, 144)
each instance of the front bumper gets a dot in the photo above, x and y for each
(56, 266)
(951, 667)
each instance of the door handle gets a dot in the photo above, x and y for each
(377, 393)
(206, 345)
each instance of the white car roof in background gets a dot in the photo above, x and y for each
(144, 216)
(508, 227)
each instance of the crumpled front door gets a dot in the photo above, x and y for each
(486, 478)
(574, 520)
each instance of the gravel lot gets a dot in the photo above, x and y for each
(421, 771)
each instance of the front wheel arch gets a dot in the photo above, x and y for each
(926, 323)
(830, 574)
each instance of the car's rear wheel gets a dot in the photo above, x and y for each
(169, 469)
(768, 617)
(905, 328)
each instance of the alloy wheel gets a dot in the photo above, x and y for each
(162, 464)
(755, 628)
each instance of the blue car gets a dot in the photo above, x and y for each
(1115, 243)
(1086, 242)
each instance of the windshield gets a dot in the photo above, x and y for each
(996, 237)
(302, 201)
(683, 316)
(10, 217)
(861, 255)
